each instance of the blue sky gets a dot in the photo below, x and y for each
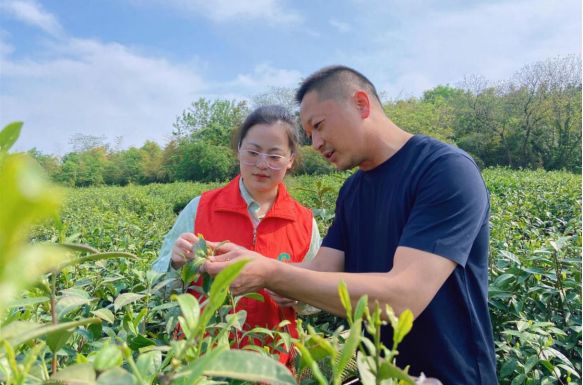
(129, 67)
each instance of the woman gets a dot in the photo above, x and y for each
(254, 210)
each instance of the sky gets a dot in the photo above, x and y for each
(128, 68)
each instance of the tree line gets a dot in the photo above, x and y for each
(532, 120)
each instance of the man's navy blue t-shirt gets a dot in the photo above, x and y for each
(428, 196)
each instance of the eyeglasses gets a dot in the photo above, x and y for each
(252, 158)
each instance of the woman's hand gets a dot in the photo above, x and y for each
(182, 250)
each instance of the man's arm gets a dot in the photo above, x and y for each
(326, 259)
(411, 284)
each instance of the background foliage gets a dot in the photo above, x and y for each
(532, 120)
(535, 263)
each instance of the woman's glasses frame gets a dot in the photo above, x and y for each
(252, 158)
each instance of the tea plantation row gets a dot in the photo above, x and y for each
(535, 266)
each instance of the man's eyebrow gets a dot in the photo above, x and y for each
(311, 120)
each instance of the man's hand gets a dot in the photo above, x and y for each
(282, 301)
(182, 250)
(223, 247)
(255, 274)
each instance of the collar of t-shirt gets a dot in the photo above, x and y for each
(252, 206)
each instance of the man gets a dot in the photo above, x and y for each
(411, 231)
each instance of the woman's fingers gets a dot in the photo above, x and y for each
(223, 247)
(183, 244)
(182, 249)
(190, 237)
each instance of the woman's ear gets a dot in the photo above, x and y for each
(362, 103)
(292, 159)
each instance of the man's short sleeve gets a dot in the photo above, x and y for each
(335, 237)
(451, 205)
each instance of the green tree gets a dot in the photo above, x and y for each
(310, 162)
(200, 161)
(431, 118)
(169, 160)
(124, 167)
(50, 163)
(443, 93)
(151, 163)
(481, 123)
(210, 121)
(560, 137)
(532, 120)
(84, 168)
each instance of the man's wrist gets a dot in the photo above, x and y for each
(273, 273)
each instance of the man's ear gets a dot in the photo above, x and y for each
(362, 103)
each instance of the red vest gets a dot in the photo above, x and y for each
(284, 233)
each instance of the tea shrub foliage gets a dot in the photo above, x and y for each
(107, 316)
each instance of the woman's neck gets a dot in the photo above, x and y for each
(264, 198)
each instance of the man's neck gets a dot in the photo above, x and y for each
(385, 140)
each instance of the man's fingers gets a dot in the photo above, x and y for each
(224, 257)
(214, 268)
(216, 263)
(281, 301)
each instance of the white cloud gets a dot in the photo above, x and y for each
(107, 89)
(68, 85)
(489, 39)
(86, 86)
(264, 75)
(340, 25)
(32, 13)
(95, 88)
(270, 11)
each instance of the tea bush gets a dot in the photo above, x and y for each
(112, 318)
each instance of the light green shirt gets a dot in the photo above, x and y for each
(185, 224)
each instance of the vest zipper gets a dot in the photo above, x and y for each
(254, 236)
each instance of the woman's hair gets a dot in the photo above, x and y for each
(270, 114)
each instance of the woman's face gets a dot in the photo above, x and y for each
(264, 157)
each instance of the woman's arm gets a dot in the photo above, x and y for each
(184, 224)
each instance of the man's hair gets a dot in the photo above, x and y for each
(335, 82)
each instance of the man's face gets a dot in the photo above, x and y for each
(334, 129)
